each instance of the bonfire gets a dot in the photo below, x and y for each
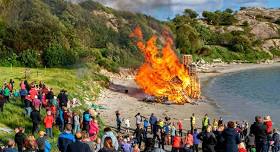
(162, 75)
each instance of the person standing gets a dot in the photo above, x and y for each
(65, 138)
(138, 133)
(36, 119)
(180, 127)
(176, 145)
(108, 133)
(48, 121)
(173, 132)
(208, 140)
(19, 138)
(219, 147)
(76, 123)
(2, 103)
(269, 128)
(138, 118)
(119, 121)
(153, 121)
(259, 130)
(86, 120)
(41, 141)
(231, 138)
(205, 122)
(146, 125)
(192, 122)
(195, 140)
(7, 93)
(275, 141)
(189, 140)
(78, 146)
(93, 129)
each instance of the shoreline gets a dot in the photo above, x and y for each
(130, 103)
(224, 69)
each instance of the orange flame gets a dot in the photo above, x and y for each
(162, 75)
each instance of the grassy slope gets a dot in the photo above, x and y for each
(80, 83)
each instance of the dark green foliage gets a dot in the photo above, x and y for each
(219, 18)
(228, 10)
(55, 55)
(191, 13)
(59, 33)
(275, 52)
(187, 39)
(30, 58)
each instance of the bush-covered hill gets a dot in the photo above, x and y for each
(250, 34)
(56, 33)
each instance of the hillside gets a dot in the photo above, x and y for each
(59, 33)
(54, 33)
(251, 34)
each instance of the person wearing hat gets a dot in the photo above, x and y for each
(78, 145)
(43, 143)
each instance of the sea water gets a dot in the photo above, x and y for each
(243, 95)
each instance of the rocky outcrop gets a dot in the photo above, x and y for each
(265, 30)
(271, 43)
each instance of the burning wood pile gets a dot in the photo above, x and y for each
(162, 75)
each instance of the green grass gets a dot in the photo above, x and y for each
(81, 83)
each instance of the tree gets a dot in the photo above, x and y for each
(211, 18)
(228, 10)
(187, 39)
(191, 13)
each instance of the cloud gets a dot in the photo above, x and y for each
(169, 8)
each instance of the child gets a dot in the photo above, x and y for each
(241, 147)
(196, 140)
(48, 121)
(127, 125)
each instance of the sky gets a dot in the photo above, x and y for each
(164, 9)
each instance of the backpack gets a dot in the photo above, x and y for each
(87, 117)
(23, 92)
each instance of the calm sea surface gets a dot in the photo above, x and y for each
(243, 95)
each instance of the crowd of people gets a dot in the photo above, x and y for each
(80, 130)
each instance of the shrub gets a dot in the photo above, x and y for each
(30, 58)
(275, 52)
(56, 55)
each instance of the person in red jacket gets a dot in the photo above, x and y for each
(180, 127)
(241, 147)
(48, 121)
(177, 141)
(268, 123)
(33, 92)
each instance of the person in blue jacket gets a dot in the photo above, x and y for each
(65, 138)
(196, 140)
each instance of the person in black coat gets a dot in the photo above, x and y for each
(2, 102)
(19, 138)
(36, 119)
(208, 139)
(219, 147)
(78, 145)
(276, 141)
(138, 133)
(231, 138)
(259, 130)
